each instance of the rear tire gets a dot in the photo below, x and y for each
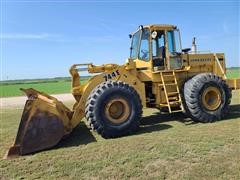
(207, 97)
(114, 109)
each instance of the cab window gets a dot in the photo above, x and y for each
(173, 42)
(158, 45)
(158, 50)
(144, 46)
(134, 45)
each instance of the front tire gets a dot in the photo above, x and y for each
(207, 97)
(114, 109)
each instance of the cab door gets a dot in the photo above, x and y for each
(142, 58)
(174, 50)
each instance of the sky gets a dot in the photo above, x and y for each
(42, 39)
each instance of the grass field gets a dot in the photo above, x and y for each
(59, 85)
(233, 72)
(50, 86)
(166, 147)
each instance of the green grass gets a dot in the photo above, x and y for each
(233, 72)
(50, 86)
(166, 147)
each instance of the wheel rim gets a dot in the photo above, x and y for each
(211, 98)
(117, 110)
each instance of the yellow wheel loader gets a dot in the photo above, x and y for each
(158, 74)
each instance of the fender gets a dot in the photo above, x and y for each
(125, 73)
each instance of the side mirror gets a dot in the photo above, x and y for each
(186, 50)
(130, 36)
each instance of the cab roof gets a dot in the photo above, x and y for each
(153, 27)
(161, 26)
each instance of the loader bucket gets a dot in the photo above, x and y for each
(44, 122)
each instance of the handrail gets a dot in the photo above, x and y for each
(220, 66)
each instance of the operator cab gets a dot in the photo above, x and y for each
(156, 47)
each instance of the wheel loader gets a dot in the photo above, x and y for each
(158, 74)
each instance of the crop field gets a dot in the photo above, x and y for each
(60, 85)
(165, 147)
(50, 86)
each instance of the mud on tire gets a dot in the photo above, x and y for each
(114, 109)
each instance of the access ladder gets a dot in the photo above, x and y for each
(173, 97)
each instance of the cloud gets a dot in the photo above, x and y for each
(28, 36)
(60, 38)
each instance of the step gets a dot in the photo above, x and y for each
(180, 110)
(172, 98)
(170, 75)
(171, 103)
(168, 84)
(172, 93)
(174, 102)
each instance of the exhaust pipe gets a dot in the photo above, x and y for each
(194, 46)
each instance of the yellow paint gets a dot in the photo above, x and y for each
(137, 72)
(141, 75)
(117, 110)
(211, 98)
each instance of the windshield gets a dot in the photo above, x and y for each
(134, 45)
